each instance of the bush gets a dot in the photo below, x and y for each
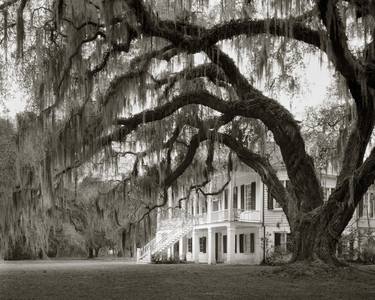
(163, 259)
(368, 252)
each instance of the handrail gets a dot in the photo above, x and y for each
(170, 231)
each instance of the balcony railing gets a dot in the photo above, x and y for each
(234, 215)
(178, 218)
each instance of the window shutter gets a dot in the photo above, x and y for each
(252, 242)
(190, 245)
(235, 243)
(224, 244)
(241, 242)
(360, 208)
(253, 195)
(269, 199)
(226, 199)
(242, 197)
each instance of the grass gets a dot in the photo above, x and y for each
(103, 279)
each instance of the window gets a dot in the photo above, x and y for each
(372, 205)
(225, 244)
(280, 242)
(253, 196)
(248, 196)
(202, 244)
(242, 197)
(190, 245)
(252, 242)
(235, 243)
(235, 193)
(277, 239)
(226, 199)
(269, 199)
(360, 208)
(241, 243)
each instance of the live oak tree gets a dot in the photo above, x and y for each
(157, 81)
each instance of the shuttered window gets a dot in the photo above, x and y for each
(235, 243)
(253, 196)
(235, 194)
(360, 208)
(269, 199)
(226, 199)
(224, 244)
(190, 245)
(242, 243)
(202, 244)
(242, 197)
(252, 242)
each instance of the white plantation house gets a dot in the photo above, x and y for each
(241, 225)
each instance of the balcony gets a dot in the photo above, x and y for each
(234, 215)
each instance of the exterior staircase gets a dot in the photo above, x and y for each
(169, 231)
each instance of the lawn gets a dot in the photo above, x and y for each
(103, 279)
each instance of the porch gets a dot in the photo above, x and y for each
(222, 244)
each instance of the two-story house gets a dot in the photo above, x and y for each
(242, 224)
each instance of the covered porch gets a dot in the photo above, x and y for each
(229, 243)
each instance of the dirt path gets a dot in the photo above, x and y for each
(83, 279)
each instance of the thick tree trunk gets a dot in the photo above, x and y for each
(313, 242)
(317, 233)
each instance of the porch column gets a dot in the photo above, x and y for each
(182, 248)
(230, 197)
(231, 231)
(211, 246)
(209, 209)
(170, 252)
(195, 245)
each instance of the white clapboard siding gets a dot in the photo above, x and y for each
(275, 216)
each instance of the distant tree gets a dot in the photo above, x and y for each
(156, 81)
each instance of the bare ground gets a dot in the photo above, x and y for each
(104, 279)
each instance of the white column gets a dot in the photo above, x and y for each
(170, 252)
(211, 246)
(231, 231)
(195, 245)
(182, 248)
(209, 209)
(230, 198)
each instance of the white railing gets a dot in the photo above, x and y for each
(169, 232)
(220, 215)
(249, 216)
(234, 215)
(201, 219)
